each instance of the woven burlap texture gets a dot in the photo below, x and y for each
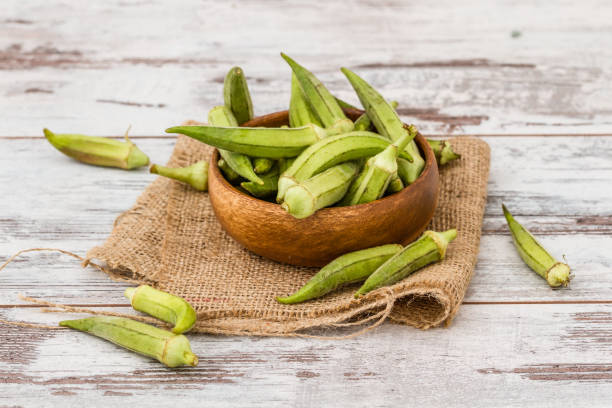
(171, 239)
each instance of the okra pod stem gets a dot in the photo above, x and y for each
(195, 175)
(300, 113)
(322, 190)
(99, 151)
(535, 256)
(377, 173)
(168, 348)
(431, 247)
(169, 308)
(236, 95)
(443, 151)
(348, 268)
(322, 102)
(273, 143)
(240, 163)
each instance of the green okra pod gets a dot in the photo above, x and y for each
(262, 165)
(348, 268)
(195, 175)
(168, 348)
(273, 143)
(169, 308)
(431, 247)
(326, 188)
(346, 105)
(300, 112)
(238, 110)
(229, 174)
(321, 101)
(329, 152)
(535, 256)
(240, 163)
(442, 148)
(443, 151)
(268, 188)
(377, 173)
(99, 151)
(365, 123)
(395, 185)
(387, 123)
(284, 164)
(236, 95)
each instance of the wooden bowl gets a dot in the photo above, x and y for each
(266, 229)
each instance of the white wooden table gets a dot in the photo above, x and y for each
(533, 79)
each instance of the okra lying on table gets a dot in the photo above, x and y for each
(168, 348)
(535, 256)
(99, 151)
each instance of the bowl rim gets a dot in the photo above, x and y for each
(430, 162)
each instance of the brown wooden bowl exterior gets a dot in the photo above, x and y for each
(267, 230)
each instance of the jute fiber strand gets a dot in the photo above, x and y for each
(171, 240)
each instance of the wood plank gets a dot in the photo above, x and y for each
(453, 69)
(558, 187)
(533, 355)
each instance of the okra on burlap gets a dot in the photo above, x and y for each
(171, 239)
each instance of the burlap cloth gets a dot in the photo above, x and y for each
(171, 240)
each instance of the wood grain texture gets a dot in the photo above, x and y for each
(515, 68)
(453, 69)
(560, 352)
(74, 206)
(268, 230)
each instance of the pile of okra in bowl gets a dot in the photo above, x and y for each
(320, 180)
